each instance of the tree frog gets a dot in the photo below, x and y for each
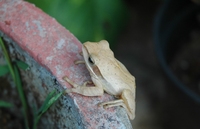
(107, 74)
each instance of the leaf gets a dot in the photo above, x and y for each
(46, 101)
(5, 104)
(16, 77)
(7, 58)
(51, 101)
(22, 65)
(21, 95)
(4, 70)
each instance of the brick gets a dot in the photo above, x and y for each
(50, 50)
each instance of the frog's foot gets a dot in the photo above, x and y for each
(126, 102)
(119, 102)
(69, 90)
(87, 82)
(70, 82)
(112, 103)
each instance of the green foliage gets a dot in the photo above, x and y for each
(22, 65)
(50, 99)
(5, 104)
(4, 69)
(88, 20)
(12, 67)
(16, 77)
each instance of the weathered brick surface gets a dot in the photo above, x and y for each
(50, 51)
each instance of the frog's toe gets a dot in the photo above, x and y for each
(67, 91)
(102, 105)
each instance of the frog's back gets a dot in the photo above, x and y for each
(117, 77)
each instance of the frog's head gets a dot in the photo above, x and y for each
(95, 55)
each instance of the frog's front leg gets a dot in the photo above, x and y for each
(84, 90)
(127, 101)
(79, 61)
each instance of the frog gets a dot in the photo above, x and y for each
(108, 75)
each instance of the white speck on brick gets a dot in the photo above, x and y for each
(40, 28)
(58, 69)
(27, 26)
(72, 69)
(60, 44)
(50, 58)
(72, 47)
(3, 9)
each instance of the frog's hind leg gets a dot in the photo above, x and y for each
(127, 101)
(114, 103)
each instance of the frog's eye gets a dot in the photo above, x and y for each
(90, 59)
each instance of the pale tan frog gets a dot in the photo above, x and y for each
(108, 74)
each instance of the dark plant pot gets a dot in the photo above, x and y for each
(174, 22)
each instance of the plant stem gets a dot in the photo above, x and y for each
(16, 77)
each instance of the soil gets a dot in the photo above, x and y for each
(10, 118)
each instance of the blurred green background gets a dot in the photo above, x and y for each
(88, 20)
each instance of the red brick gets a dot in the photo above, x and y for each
(56, 49)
